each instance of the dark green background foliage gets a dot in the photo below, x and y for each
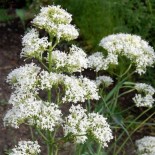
(98, 18)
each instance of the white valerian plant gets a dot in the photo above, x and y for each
(55, 72)
(146, 145)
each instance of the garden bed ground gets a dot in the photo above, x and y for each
(10, 46)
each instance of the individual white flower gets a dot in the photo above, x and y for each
(99, 129)
(132, 47)
(76, 124)
(105, 80)
(26, 148)
(48, 80)
(33, 46)
(24, 77)
(145, 88)
(56, 21)
(146, 145)
(143, 101)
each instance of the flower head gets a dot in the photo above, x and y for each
(33, 46)
(26, 148)
(82, 125)
(74, 61)
(79, 89)
(24, 77)
(146, 145)
(132, 47)
(77, 124)
(146, 98)
(56, 21)
(105, 80)
(34, 112)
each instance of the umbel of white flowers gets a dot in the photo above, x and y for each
(146, 98)
(28, 80)
(26, 148)
(138, 51)
(146, 145)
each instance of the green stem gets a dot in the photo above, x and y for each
(42, 135)
(130, 126)
(126, 92)
(56, 151)
(126, 70)
(99, 149)
(40, 60)
(133, 133)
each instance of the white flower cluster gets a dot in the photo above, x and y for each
(146, 99)
(98, 62)
(146, 145)
(80, 126)
(145, 88)
(75, 89)
(42, 114)
(49, 116)
(33, 46)
(75, 61)
(77, 124)
(24, 82)
(79, 89)
(105, 80)
(24, 77)
(48, 80)
(99, 128)
(26, 148)
(56, 21)
(131, 46)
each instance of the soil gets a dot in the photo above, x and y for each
(10, 47)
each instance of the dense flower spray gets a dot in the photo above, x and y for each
(26, 148)
(145, 99)
(140, 54)
(28, 81)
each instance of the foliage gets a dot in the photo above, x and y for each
(99, 18)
